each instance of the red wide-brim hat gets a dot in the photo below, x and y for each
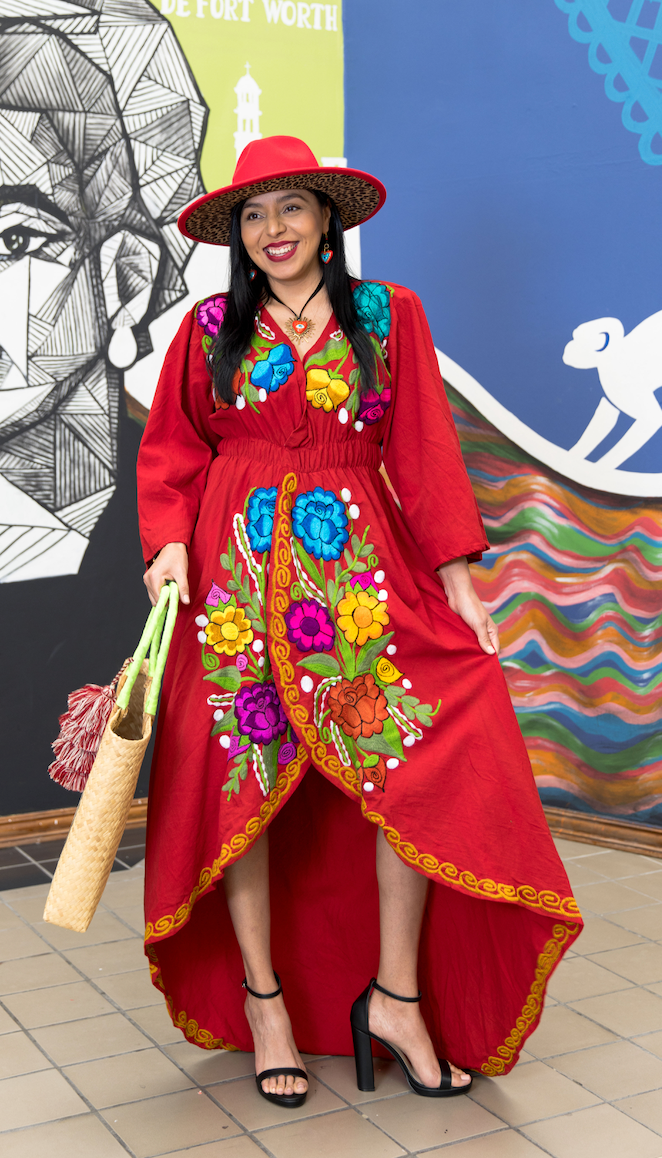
(281, 163)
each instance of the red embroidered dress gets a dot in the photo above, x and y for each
(319, 684)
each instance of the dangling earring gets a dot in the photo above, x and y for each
(327, 252)
(252, 274)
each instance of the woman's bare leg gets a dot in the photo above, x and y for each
(402, 896)
(247, 891)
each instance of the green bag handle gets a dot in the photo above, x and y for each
(156, 639)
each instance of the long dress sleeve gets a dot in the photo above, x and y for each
(177, 446)
(421, 450)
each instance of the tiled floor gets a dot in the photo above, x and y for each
(32, 864)
(91, 1067)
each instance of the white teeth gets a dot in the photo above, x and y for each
(279, 250)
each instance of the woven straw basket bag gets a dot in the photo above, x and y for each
(100, 819)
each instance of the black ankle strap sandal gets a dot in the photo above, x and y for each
(362, 1037)
(290, 1101)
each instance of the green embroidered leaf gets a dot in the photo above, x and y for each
(243, 768)
(408, 711)
(238, 571)
(349, 558)
(354, 375)
(332, 351)
(392, 696)
(358, 565)
(378, 744)
(370, 651)
(366, 550)
(330, 591)
(425, 708)
(226, 724)
(346, 655)
(352, 403)
(337, 570)
(269, 755)
(232, 585)
(321, 664)
(412, 701)
(308, 564)
(225, 562)
(371, 760)
(227, 677)
(392, 736)
(356, 544)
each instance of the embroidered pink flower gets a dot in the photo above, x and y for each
(373, 406)
(364, 580)
(236, 748)
(210, 314)
(286, 753)
(217, 595)
(309, 626)
(241, 662)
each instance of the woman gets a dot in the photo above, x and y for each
(330, 640)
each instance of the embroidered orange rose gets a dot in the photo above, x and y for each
(358, 706)
(229, 630)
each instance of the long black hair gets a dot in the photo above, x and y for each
(245, 296)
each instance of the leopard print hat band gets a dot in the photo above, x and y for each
(281, 163)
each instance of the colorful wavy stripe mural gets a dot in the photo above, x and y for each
(574, 581)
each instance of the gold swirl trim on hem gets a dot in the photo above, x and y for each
(550, 956)
(544, 901)
(188, 1025)
(238, 845)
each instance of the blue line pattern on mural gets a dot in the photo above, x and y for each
(625, 46)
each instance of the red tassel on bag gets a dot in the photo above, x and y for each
(81, 729)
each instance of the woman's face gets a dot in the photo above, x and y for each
(282, 232)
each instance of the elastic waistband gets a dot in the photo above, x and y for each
(304, 460)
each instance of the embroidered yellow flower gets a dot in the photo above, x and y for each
(324, 392)
(229, 630)
(386, 671)
(361, 617)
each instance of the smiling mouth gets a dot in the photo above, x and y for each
(281, 252)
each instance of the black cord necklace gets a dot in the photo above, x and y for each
(298, 325)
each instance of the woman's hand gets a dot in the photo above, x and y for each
(462, 599)
(170, 563)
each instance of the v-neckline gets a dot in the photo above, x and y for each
(289, 341)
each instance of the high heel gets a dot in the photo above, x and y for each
(363, 1038)
(290, 1101)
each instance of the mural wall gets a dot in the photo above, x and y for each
(521, 145)
(524, 178)
(113, 115)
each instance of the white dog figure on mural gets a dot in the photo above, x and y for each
(630, 370)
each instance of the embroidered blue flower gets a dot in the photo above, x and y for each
(272, 371)
(261, 508)
(373, 306)
(320, 521)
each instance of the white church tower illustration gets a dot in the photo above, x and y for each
(248, 111)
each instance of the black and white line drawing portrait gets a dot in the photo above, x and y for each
(101, 126)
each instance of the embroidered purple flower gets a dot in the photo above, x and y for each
(260, 713)
(364, 580)
(210, 313)
(286, 753)
(373, 406)
(272, 371)
(309, 626)
(241, 662)
(236, 747)
(217, 595)
(260, 514)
